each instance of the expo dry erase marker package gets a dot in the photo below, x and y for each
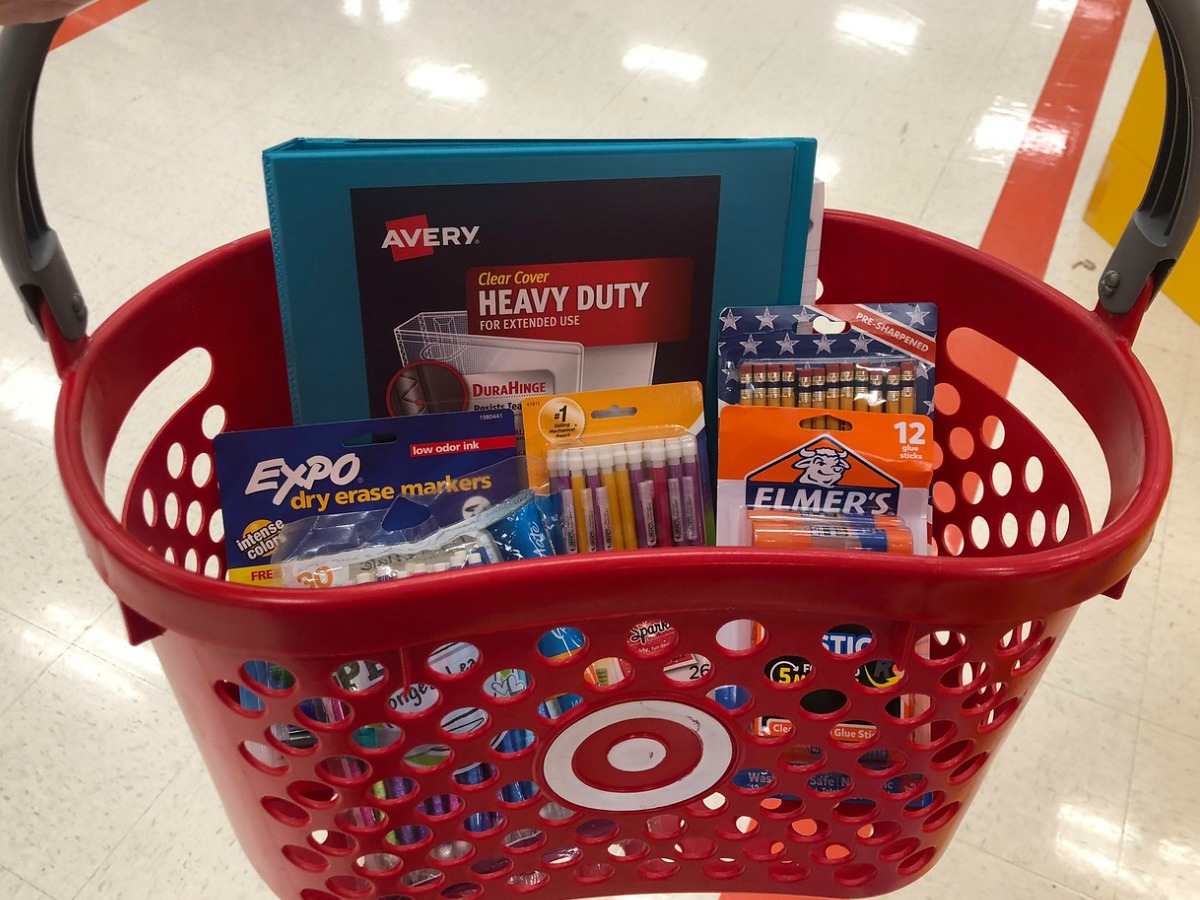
(437, 276)
(623, 469)
(496, 521)
(272, 477)
(787, 481)
(848, 358)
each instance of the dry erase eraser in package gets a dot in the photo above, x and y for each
(625, 469)
(787, 481)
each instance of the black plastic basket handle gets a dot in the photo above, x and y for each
(1156, 234)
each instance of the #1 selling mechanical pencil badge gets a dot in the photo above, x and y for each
(625, 466)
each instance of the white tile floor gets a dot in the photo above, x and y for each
(148, 142)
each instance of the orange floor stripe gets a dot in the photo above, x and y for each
(90, 17)
(1030, 210)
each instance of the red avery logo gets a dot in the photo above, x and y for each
(411, 237)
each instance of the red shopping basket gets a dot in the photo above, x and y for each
(629, 723)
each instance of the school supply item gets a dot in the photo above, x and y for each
(787, 479)
(273, 477)
(626, 468)
(421, 276)
(845, 357)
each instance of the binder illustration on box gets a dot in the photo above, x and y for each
(446, 369)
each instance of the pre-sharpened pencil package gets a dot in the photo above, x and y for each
(624, 469)
(843, 358)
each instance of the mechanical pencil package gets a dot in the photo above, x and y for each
(847, 358)
(787, 480)
(498, 522)
(626, 469)
(273, 477)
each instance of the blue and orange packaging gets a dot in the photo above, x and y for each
(839, 357)
(273, 477)
(786, 479)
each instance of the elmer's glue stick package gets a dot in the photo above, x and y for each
(786, 480)
(625, 469)
(273, 477)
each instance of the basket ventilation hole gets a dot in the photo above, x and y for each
(628, 850)
(1010, 530)
(513, 742)
(195, 517)
(452, 852)
(962, 444)
(1017, 639)
(559, 705)
(285, 811)
(855, 875)
(692, 848)
(969, 769)
(847, 639)
(176, 459)
(964, 677)
(952, 540)
(356, 676)
(984, 697)
(427, 757)
(723, 869)
(333, 843)
(939, 646)
(556, 814)
(952, 754)
(409, 836)
(596, 831)
(853, 732)
(213, 422)
(833, 854)
(1001, 479)
(507, 684)
(414, 700)
(268, 677)
(856, 809)
(665, 826)
(808, 830)
(191, 561)
(915, 863)
(992, 433)
(981, 533)
(240, 699)
(421, 878)
(561, 857)
(313, 794)
(595, 873)
(944, 498)
(149, 508)
(343, 769)
(266, 759)
(493, 866)
(378, 863)
(741, 636)
(689, 669)
(1033, 475)
(882, 760)
(828, 784)
(771, 729)
(753, 781)
(393, 788)
(972, 487)
(323, 711)
(361, 818)
(658, 869)
(171, 510)
(607, 673)
(304, 858)
(651, 638)
(909, 708)
(518, 793)
(876, 833)
(464, 890)
(802, 758)
(484, 822)
(902, 786)
(946, 399)
(823, 702)
(1030, 659)
(561, 645)
(453, 660)
(1062, 522)
(202, 468)
(524, 882)
(465, 721)
(781, 806)
(349, 886)
(377, 736)
(730, 697)
(475, 775)
(1037, 528)
(441, 806)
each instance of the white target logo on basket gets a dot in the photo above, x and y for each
(638, 755)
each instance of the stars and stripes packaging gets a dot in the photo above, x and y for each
(845, 357)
